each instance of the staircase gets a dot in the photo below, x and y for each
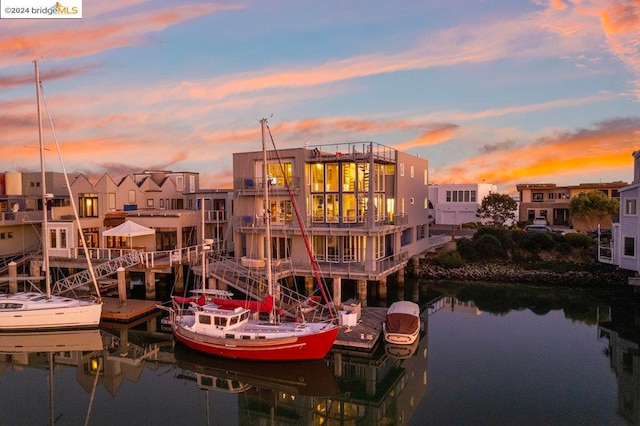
(102, 270)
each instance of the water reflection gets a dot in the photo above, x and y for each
(623, 335)
(474, 352)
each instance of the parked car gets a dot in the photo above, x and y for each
(537, 228)
(604, 233)
(540, 220)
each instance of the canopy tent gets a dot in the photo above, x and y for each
(128, 229)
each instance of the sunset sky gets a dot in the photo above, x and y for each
(501, 91)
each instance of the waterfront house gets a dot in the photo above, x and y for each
(364, 206)
(622, 250)
(457, 203)
(551, 201)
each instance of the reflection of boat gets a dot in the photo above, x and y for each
(232, 332)
(402, 324)
(51, 341)
(310, 378)
(401, 351)
(31, 310)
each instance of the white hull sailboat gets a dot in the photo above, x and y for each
(233, 332)
(31, 310)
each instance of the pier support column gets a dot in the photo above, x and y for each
(415, 266)
(150, 285)
(212, 283)
(35, 271)
(337, 292)
(122, 287)
(401, 277)
(337, 364)
(362, 292)
(13, 273)
(308, 285)
(178, 272)
(382, 288)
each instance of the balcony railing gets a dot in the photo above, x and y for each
(254, 185)
(342, 222)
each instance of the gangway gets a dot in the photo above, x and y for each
(82, 278)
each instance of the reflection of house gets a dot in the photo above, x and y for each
(364, 206)
(624, 353)
(623, 250)
(552, 202)
(376, 388)
(455, 203)
(454, 304)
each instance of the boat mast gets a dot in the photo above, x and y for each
(204, 254)
(45, 224)
(267, 216)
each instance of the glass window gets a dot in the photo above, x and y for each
(363, 177)
(333, 177)
(333, 207)
(473, 196)
(630, 206)
(179, 184)
(537, 196)
(318, 247)
(112, 201)
(317, 208)
(317, 177)
(349, 206)
(401, 167)
(63, 238)
(332, 248)
(348, 177)
(629, 246)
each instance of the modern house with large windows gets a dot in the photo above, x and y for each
(622, 250)
(552, 202)
(364, 207)
(457, 203)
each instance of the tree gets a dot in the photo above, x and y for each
(593, 207)
(498, 208)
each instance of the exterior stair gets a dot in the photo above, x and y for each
(101, 270)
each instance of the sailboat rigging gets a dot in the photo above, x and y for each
(237, 332)
(37, 310)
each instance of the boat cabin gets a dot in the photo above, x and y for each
(221, 318)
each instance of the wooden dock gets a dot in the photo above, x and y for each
(112, 311)
(366, 333)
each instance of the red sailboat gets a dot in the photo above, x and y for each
(218, 327)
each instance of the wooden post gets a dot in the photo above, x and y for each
(122, 286)
(308, 285)
(13, 273)
(337, 291)
(382, 288)
(362, 292)
(179, 282)
(150, 285)
(401, 277)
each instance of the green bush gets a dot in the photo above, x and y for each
(577, 240)
(489, 247)
(546, 240)
(504, 235)
(564, 248)
(450, 260)
(467, 250)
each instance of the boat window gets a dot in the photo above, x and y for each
(230, 336)
(204, 319)
(221, 321)
(245, 316)
(35, 299)
(10, 305)
(246, 337)
(233, 320)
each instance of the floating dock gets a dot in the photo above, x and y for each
(135, 308)
(366, 332)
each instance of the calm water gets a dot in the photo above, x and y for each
(487, 356)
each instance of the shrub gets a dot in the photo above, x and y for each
(546, 240)
(577, 240)
(488, 246)
(564, 248)
(450, 260)
(467, 250)
(504, 235)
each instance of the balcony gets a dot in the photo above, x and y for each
(255, 186)
(339, 222)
